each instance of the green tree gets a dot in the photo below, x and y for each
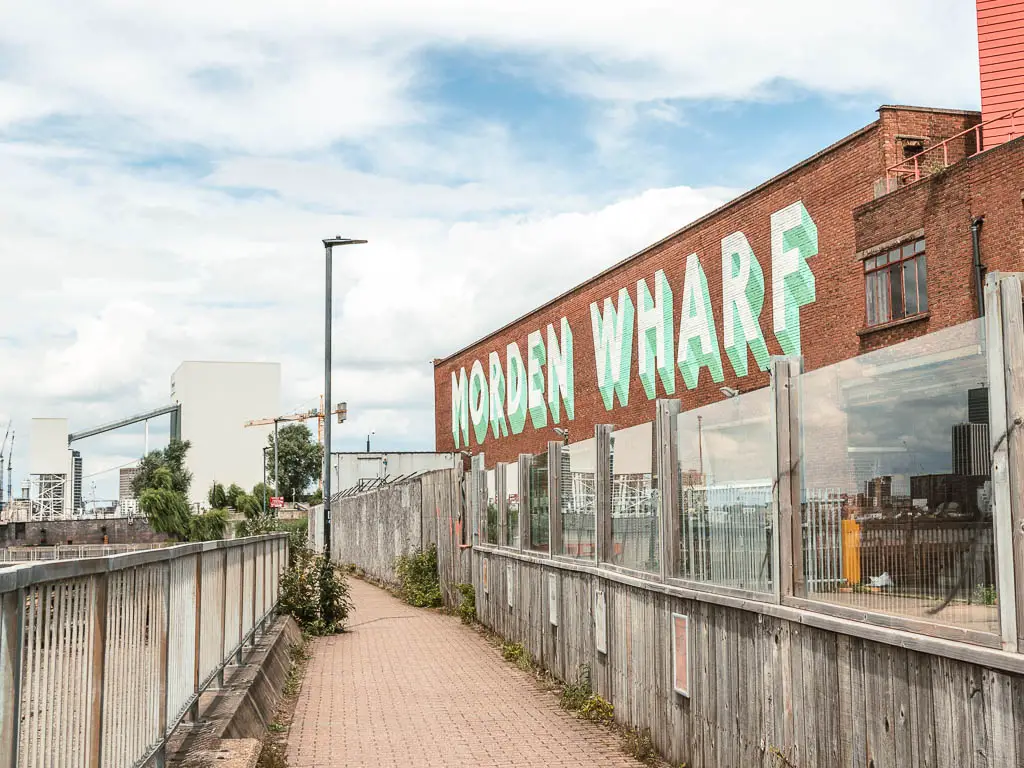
(171, 458)
(300, 458)
(217, 496)
(166, 508)
(234, 493)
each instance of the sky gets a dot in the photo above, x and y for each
(168, 170)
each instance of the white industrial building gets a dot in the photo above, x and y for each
(349, 469)
(216, 400)
(56, 470)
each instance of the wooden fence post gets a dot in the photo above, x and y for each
(525, 527)
(554, 497)
(666, 467)
(1005, 351)
(603, 490)
(101, 585)
(1012, 299)
(788, 562)
(499, 489)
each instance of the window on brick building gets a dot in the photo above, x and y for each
(896, 283)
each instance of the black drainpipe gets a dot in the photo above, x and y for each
(979, 268)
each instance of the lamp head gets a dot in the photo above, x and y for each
(729, 391)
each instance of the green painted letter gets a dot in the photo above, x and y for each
(478, 401)
(654, 326)
(698, 340)
(560, 373)
(535, 359)
(515, 389)
(460, 408)
(613, 348)
(742, 301)
(499, 425)
(794, 240)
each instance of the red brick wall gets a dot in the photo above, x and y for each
(831, 185)
(943, 205)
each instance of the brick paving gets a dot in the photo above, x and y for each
(408, 687)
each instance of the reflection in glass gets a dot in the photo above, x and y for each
(579, 499)
(896, 509)
(491, 532)
(512, 504)
(634, 508)
(726, 463)
(539, 506)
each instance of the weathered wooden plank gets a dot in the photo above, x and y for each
(922, 711)
(881, 743)
(899, 677)
(1013, 364)
(667, 468)
(978, 730)
(1002, 744)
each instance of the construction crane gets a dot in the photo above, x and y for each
(3, 450)
(341, 411)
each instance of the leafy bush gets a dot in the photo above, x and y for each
(986, 594)
(315, 592)
(517, 654)
(418, 581)
(208, 526)
(467, 606)
(598, 709)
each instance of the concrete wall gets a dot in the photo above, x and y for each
(216, 400)
(50, 532)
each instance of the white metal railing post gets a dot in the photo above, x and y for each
(554, 497)
(603, 491)
(223, 619)
(255, 591)
(667, 468)
(12, 637)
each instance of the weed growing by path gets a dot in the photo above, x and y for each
(467, 607)
(518, 655)
(418, 581)
(638, 744)
(273, 752)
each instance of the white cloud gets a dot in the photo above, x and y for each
(113, 273)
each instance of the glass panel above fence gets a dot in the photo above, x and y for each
(491, 525)
(634, 507)
(726, 465)
(579, 499)
(896, 509)
(512, 502)
(539, 503)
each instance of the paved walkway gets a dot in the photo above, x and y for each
(407, 687)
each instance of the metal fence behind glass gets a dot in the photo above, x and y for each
(635, 523)
(726, 462)
(579, 499)
(492, 521)
(539, 504)
(896, 512)
(512, 504)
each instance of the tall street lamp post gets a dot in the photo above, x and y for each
(329, 245)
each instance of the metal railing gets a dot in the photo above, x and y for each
(101, 659)
(915, 168)
(70, 552)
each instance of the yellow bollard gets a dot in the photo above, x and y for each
(851, 551)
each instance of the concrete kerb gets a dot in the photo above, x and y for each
(234, 719)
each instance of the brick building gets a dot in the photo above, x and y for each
(865, 244)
